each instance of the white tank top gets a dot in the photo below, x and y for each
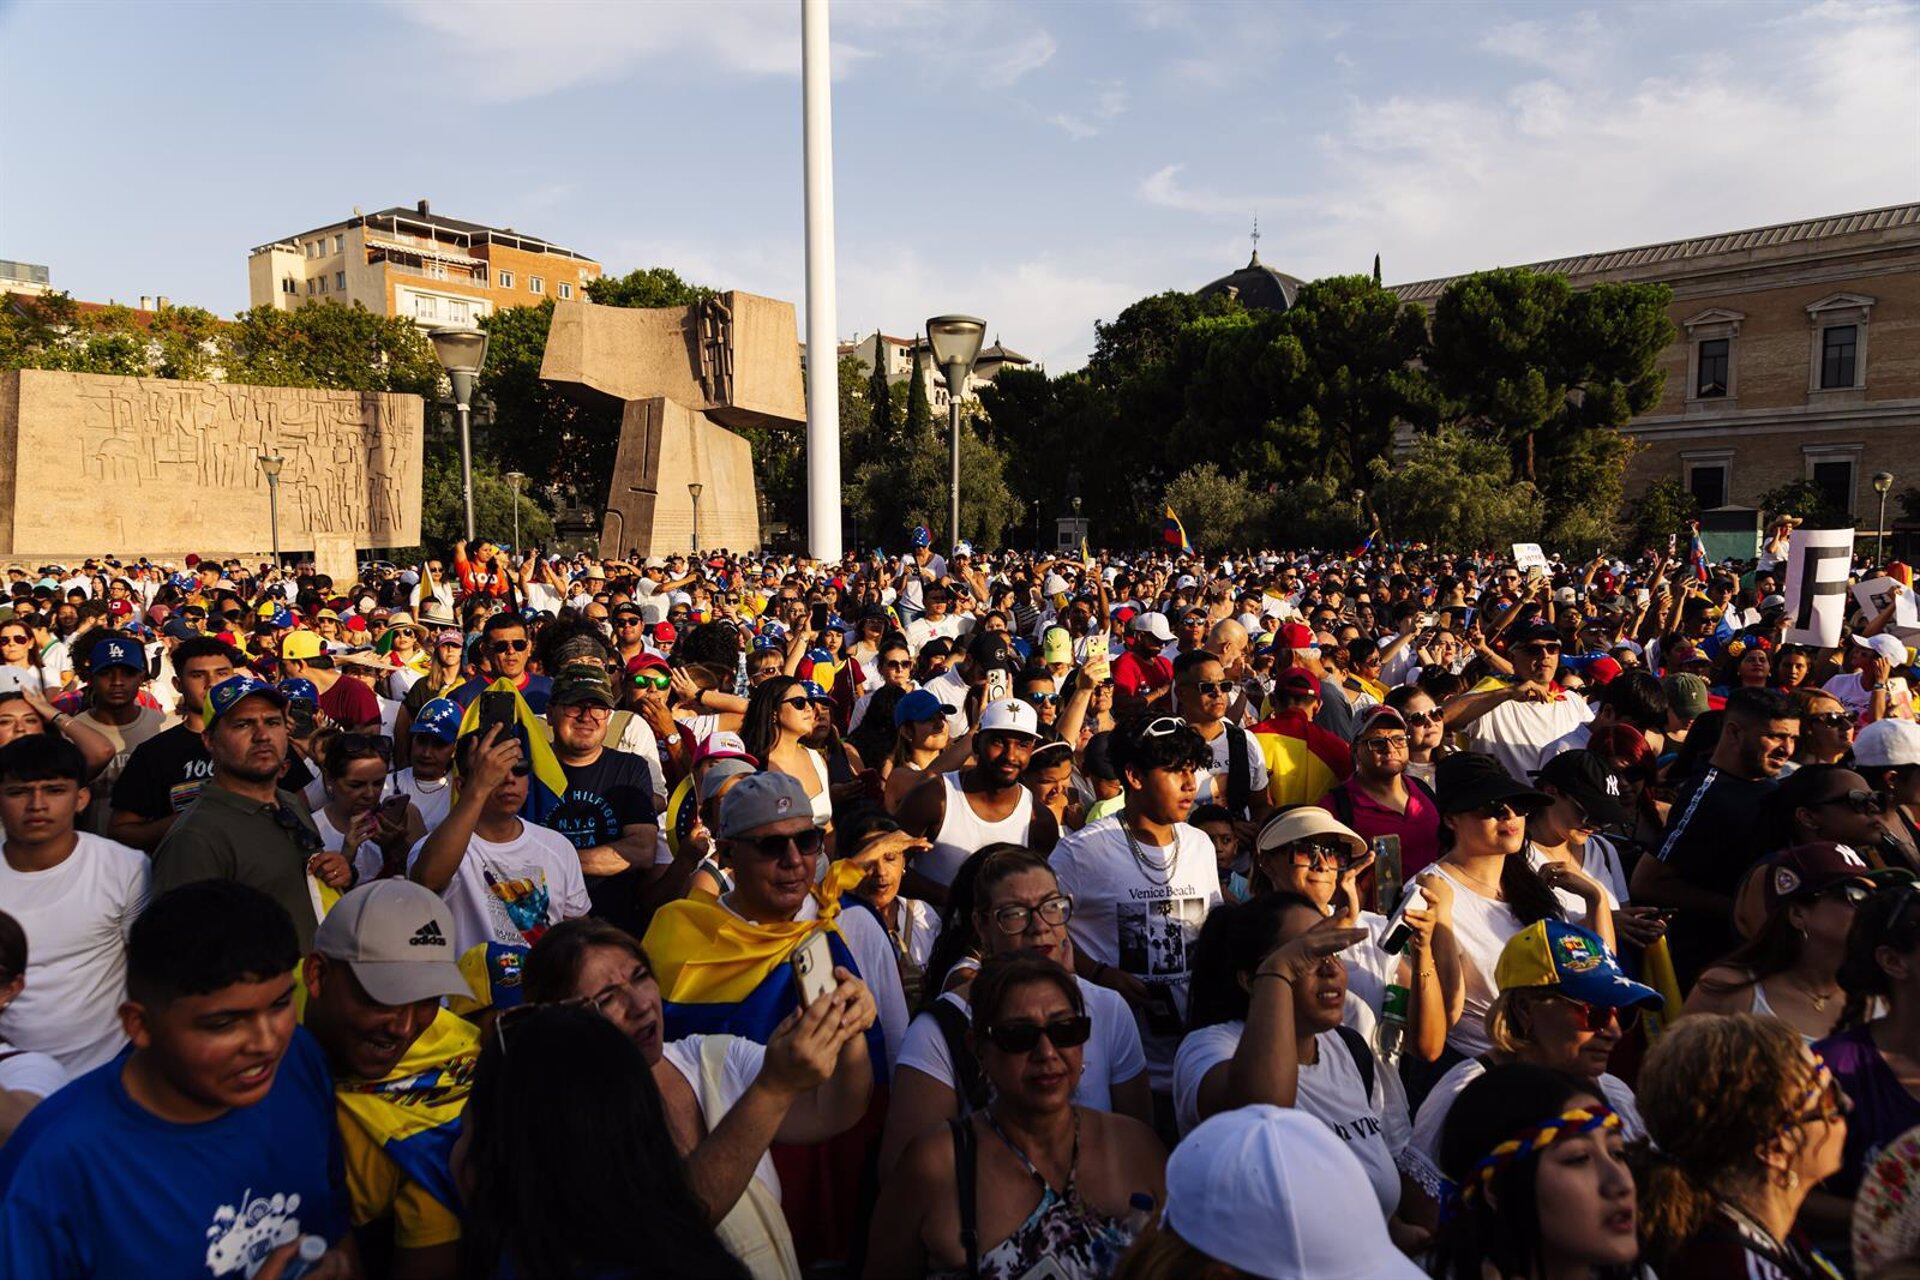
(963, 831)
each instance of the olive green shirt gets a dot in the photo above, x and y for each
(227, 836)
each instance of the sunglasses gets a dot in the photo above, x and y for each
(510, 646)
(774, 848)
(1040, 699)
(364, 744)
(651, 679)
(1163, 726)
(897, 666)
(1014, 917)
(1598, 1017)
(1540, 649)
(1312, 854)
(16, 639)
(1861, 802)
(1833, 719)
(1387, 745)
(1419, 719)
(1496, 811)
(1212, 687)
(797, 701)
(1024, 1037)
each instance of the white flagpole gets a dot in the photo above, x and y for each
(823, 343)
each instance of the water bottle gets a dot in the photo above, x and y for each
(1392, 1027)
(1139, 1214)
(306, 1256)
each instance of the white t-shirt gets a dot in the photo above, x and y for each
(740, 1069)
(1433, 1112)
(432, 799)
(501, 891)
(1517, 734)
(76, 917)
(24, 1071)
(951, 688)
(1213, 783)
(1853, 694)
(368, 860)
(1331, 1090)
(1481, 927)
(1142, 921)
(1112, 1056)
(923, 629)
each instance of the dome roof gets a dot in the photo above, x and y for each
(1257, 286)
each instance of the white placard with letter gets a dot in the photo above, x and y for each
(1818, 561)
(1528, 555)
(1873, 594)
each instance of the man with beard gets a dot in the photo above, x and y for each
(969, 809)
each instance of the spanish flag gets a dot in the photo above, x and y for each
(1174, 534)
(548, 781)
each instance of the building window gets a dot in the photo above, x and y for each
(1839, 347)
(506, 280)
(457, 312)
(425, 308)
(288, 286)
(323, 284)
(1711, 381)
(340, 281)
(309, 287)
(1834, 479)
(536, 285)
(339, 244)
(566, 290)
(1707, 482)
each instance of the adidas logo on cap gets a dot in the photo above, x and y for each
(428, 935)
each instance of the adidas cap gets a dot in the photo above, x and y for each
(397, 937)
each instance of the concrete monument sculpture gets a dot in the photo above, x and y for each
(684, 375)
(153, 466)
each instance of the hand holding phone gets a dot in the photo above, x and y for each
(812, 963)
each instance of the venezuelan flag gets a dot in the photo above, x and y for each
(548, 781)
(1174, 534)
(413, 1115)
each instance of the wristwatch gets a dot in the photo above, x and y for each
(672, 739)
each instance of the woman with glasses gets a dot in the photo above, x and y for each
(1826, 728)
(360, 821)
(1789, 968)
(1031, 1179)
(1743, 1121)
(19, 653)
(1269, 996)
(780, 716)
(1426, 733)
(1004, 899)
(1563, 1005)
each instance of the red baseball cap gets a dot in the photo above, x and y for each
(665, 633)
(1297, 682)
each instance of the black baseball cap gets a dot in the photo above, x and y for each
(1585, 778)
(1467, 780)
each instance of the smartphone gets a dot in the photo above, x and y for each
(812, 963)
(999, 684)
(303, 715)
(1427, 621)
(1398, 930)
(1386, 870)
(817, 620)
(496, 708)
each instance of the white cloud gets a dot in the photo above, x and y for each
(1108, 104)
(1163, 187)
(1001, 67)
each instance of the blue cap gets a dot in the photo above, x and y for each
(918, 706)
(815, 693)
(1549, 953)
(299, 687)
(280, 619)
(116, 651)
(230, 692)
(439, 720)
(921, 538)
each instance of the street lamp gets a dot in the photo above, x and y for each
(1882, 482)
(956, 343)
(516, 479)
(270, 464)
(693, 491)
(462, 349)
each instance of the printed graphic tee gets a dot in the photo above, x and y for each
(511, 891)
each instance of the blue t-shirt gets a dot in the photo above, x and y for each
(93, 1184)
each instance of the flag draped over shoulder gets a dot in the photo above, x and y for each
(1657, 971)
(413, 1115)
(1174, 534)
(548, 781)
(721, 974)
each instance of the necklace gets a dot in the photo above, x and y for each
(1155, 873)
(1819, 998)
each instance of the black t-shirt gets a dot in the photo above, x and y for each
(602, 800)
(1713, 838)
(164, 774)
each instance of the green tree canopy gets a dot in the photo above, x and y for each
(1458, 489)
(328, 345)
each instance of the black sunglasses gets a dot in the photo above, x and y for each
(773, 848)
(306, 837)
(1024, 1037)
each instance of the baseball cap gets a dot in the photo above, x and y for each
(1252, 1187)
(1552, 953)
(1009, 716)
(1056, 645)
(1806, 870)
(1467, 779)
(665, 633)
(1603, 670)
(299, 688)
(1379, 717)
(1886, 646)
(1684, 653)
(1296, 682)
(302, 645)
(1583, 776)
(762, 799)
(990, 651)
(723, 745)
(397, 937)
(582, 682)
(1886, 744)
(439, 719)
(232, 691)
(1296, 635)
(1304, 823)
(720, 771)
(1151, 624)
(814, 692)
(116, 651)
(918, 706)
(1686, 694)
(1529, 632)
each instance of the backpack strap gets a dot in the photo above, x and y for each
(616, 727)
(969, 1082)
(1362, 1054)
(965, 1161)
(1422, 788)
(1342, 801)
(1239, 771)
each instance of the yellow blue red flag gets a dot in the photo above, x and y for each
(547, 781)
(1174, 534)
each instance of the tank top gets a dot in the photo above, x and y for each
(822, 800)
(962, 831)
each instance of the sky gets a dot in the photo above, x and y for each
(1037, 164)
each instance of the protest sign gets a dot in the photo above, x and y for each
(1816, 589)
(1873, 595)
(1528, 556)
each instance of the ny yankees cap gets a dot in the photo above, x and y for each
(1586, 777)
(397, 937)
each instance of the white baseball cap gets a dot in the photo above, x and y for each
(1152, 624)
(1887, 744)
(1886, 646)
(1009, 715)
(397, 937)
(1276, 1193)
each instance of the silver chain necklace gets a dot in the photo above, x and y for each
(1147, 866)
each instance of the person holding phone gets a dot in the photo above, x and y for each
(1382, 799)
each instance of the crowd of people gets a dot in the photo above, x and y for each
(1294, 915)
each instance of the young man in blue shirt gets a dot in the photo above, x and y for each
(208, 1147)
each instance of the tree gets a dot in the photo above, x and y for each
(1146, 332)
(891, 493)
(1219, 512)
(186, 342)
(881, 432)
(1807, 500)
(1494, 354)
(443, 518)
(328, 345)
(1662, 510)
(919, 417)
(52, 331)
(1456, 488)
(646, 287)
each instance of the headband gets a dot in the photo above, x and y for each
(1533, 1141)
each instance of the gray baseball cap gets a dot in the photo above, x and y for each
(717, 772)
(761, 800)
(397, 937)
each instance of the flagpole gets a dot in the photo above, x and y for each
(823, 344)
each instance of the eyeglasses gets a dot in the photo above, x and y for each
(1163, 726)
(1024, 1037)
(774, 848)
(363, 744)
(1420, 719)
(16, 639)
(906, 665)
(1211, 687)
(603, 1000)
(1598, 1017)
(1540, 649)
(1314, 854)
(510, 646)
(1040, 699)
(798, 701)
(651, 679)
(1015, 916)
(627, 620)
(587, 711)
(1386, 745)
(1861, 802)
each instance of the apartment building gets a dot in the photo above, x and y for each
(897, 356)
(416, 263)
